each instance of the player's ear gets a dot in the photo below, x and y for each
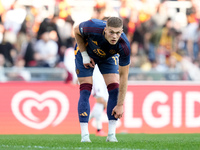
(105, 29)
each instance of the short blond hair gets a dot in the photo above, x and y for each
(114, 22)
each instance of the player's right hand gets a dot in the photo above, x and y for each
(87, 60)
(90, 64)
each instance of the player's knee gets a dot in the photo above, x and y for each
(85, 80)
(112, 86)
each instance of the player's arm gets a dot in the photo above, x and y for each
(123, 82)
(124, 63)
(87, 61)
(79, 39)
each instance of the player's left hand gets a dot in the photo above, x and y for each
(118, 111)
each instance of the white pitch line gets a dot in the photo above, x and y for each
(64, 148)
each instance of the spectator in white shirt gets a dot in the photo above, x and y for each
(46, 51)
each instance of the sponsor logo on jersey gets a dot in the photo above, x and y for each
(112, 51)
(99, 52)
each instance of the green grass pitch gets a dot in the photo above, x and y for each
(126, 142)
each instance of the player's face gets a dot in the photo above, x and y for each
(113, 34)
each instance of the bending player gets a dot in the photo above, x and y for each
(98, 42)
(99, 89)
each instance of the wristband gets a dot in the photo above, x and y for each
(86, 57)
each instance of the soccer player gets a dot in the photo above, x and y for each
(99, 89)
(99, 42)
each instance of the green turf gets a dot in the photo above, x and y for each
(126, 142)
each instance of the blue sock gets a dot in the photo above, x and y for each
(113, 90)
(83, 103)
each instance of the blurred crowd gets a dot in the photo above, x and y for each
(164, 35)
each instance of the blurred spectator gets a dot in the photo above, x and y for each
(1, 32)
(110, 10)
(198, 33)
(174, 69)
(135, 61)
(46, 51)
(19, 73)
(25, 42)
(162, 39)
(146, 64)
(137, 43)
(7, 49)
(21, 37)
(43, 27)
(3, 77)
(66, 34)
(27, 52)
(161, 60)
(65, 28)
(26, 29)
(190, 36)
(99, 9)
(160, 17)
(50, 25)
(192, 69)
(14, 17)
(166, 39)
(131, 23)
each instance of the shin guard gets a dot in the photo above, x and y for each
(113, 90)
(83, 103)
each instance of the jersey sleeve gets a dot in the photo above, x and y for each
(124, 52)
(90, 27)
